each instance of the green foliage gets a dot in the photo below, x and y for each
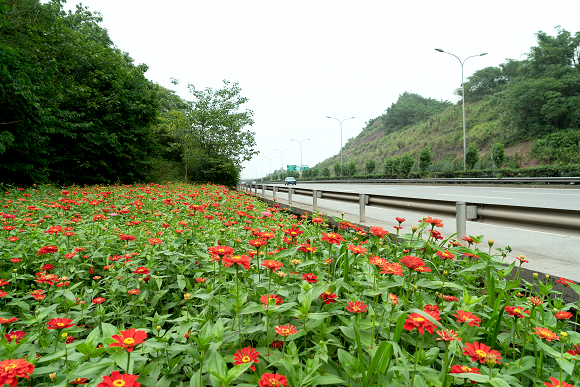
(216, 169)
(471, 156)
(370, 166)
(337, 169)
(326, 172)
(350, 169)
(407, 162)
(498, 154)
(392, 166)
(410, 109)
(563, 147)
(425, 158)
(74, 107)
(489, 80)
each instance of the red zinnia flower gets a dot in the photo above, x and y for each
(127, 237)
(517, 312)
(246, 355)
(99, 300)
(379, 231)
(306, 248)
(412, 262)
(458, 369)
(11, 369)
(332, 237)
(16, 336)
(293, 232)
(545, 333)
(257, 243)
(220, 250)
(155, 241)
(564, 282)
(267, 298)
(129, 338)
(356, 307)
(392, 268)
(309, 277)
(357, 249)
(448, 298)
(286, 330)
(274, 265)
(80, 381)
(575, 350)
(448, 335)
(272, 380)
(200, 280)
(59, 323)
(445, 255)
(327, 297)
(141, 270)
(468, 317)
(118, 380)
(479, 352)
(8, 320)
(242, 260)
(421, 323)
(133, 291)
(47, 249)
(561, 315)
(556, 383)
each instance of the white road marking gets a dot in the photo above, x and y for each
(474, 196)
(542, 193)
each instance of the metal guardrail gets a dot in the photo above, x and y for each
(531, 218)
(462, 180)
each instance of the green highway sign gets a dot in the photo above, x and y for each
(291, 168)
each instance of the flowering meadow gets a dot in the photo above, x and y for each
(183, 285)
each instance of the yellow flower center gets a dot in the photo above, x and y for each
(129, 341)
(481, 353)
(419, 319)
(245, 359)
(118, 383)
(285, 330)
(465, 369)
(517, 311)
(60, 324)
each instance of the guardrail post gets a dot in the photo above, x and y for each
(361, 202)
(314, 200)
(289, 195)
(274, 192)
(461, 220)
(263, 190)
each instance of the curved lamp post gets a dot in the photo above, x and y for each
(301, 153)
(462, 98)
(270, 158)
(332, 118)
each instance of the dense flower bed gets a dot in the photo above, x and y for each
(180, 285)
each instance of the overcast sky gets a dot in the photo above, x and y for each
(300, 61)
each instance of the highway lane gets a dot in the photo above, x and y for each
(561, 197)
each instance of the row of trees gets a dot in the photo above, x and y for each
(77, 109)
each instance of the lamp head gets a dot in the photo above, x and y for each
(485, 53)
(439, 49)
(328, 117)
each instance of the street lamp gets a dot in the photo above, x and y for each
(462, 98)
(271, 163)
(300, 153)
(350, 118)
(262, 162)
(281, 159)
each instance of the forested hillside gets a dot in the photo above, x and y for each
(77, 109)
(530, 109)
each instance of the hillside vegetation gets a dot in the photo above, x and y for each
(528, 111)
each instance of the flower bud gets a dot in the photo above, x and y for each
(415, 287)
(445, 272)
(414, 228)
(52, 376)
(187, 296)
(158, 327)
(535, 275)
(15, 270)
(554, 311)
(64, 335)
(490, 242)
(547, 277)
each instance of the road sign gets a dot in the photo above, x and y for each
(304, 167)
(291, 168)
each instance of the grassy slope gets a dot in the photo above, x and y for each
(442, 133)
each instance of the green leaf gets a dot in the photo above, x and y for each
(235, 372)
(217, 364)
(328, 379)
